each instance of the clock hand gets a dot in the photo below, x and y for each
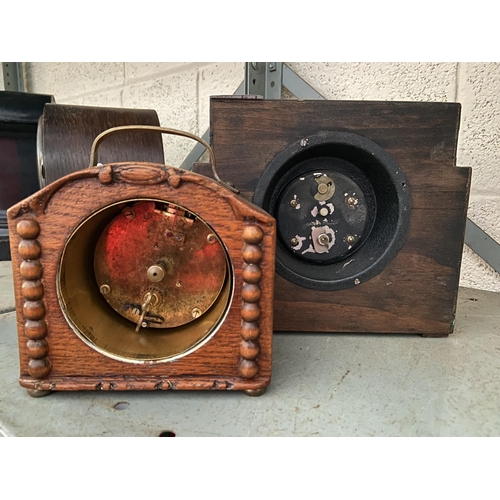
(144, 308)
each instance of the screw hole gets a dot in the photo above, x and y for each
(254, 81)
(167, 434)
(273, 84)
(122, 405)
(475, 300)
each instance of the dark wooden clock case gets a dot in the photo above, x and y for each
(415, 291)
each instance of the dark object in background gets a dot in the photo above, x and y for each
(66, 134)
(395, 266)
(41, 141)
(19, 114)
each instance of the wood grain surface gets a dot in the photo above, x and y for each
(230, 359)
(417, 291)
(67, 133)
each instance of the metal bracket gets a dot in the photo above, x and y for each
(264, 78)
(483, 244)
(13, 78)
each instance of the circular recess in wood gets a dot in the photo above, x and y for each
(342, 209)
(144, 280)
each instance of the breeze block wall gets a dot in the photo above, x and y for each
(180, 93)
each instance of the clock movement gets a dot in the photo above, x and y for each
(139, 276)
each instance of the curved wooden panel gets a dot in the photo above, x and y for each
(66, 133)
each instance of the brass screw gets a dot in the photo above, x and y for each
(105, 289)
(196, 312)
(211, 238)
(144, 324)
(304, 142)
(323, 239)
(324, 211)
(350, 239)
(178, 284)
(351, 201)
(128, 213)
(356, 281)
(293, 203)
(155, 273)
(322, 188)
(294, 242)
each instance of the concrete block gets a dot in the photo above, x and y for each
(479, 144)
(147, 70)
(381, 81)
(476, 273)
(70, 80)
(485, 212)
(478, 89)
(217, 79)
(174, 97)
(110, 99)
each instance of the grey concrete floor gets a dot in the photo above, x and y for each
(323, 385)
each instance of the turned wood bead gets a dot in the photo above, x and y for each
(34, 309)
(250, 292)
(106, 175)
(252, 254)
(250, 312)
(29, 249)
(37, 349)
(249, 349)
(32, 290)
(28, 229)
(174, 180)
(249, 331)
(253, 235)
(35, 329)
(248, 368)
(31, 269)
(39, 367)
(252, 273)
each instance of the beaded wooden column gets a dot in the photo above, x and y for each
(35, 328)
(250, 308)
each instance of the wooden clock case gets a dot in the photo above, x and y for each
(235, 356)
(413, 291)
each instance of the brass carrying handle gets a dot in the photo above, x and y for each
(151, 128)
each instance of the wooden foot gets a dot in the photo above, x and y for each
(35, 393)
(255, 392)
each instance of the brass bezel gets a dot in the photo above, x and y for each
(91, 308)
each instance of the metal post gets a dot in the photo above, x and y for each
(13, 77)
(264, 78)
